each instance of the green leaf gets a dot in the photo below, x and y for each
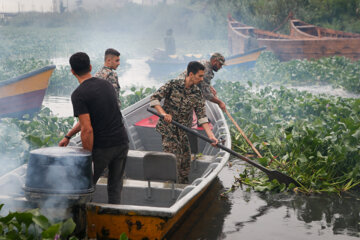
(263, 161)
(52, 231)
(68, 227)
(123, 236)
(25, 218)
(357, 134)
(41, 221)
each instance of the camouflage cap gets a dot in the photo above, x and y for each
(219, 57)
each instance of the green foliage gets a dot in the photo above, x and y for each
(32, 225)
(135, 95)
(12, 68)
(44, 129)
(314, 139)
(336, 71)
(19, 136)
(335, 14)
(123, 237)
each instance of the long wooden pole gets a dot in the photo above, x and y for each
(243, 134)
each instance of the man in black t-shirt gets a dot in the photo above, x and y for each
(100, 122)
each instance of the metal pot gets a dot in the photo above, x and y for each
(59, 171)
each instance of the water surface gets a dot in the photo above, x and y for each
(251, 215)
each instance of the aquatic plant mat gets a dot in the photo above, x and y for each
(312, 138)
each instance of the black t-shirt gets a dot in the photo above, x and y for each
(98, 98)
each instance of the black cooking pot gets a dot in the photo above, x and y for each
(59, 170)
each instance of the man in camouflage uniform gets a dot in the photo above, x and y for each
(181, 97)
(215, 64)
(107, 72)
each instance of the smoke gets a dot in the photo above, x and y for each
(53, 182)
(13, 147)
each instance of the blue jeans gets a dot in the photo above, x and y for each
(115, 159)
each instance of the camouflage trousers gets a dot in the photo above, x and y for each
(179, 145)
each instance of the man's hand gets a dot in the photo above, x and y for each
(215, 141)
(212, 90)
(167, 117)
(222, 105)
(64, 142)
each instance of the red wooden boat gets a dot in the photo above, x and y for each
(300, 44)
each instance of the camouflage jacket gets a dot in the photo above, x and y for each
(206, 83)
(179, 102)
(111, 76)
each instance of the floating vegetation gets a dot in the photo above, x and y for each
(33, 225)
(313, 139)
(339, 72)
(19, 136)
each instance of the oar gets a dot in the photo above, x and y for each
(272, 174)
(243, 134)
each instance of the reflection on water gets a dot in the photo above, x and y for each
(250, 215)
(207, 218)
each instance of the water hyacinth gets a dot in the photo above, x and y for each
(313, 139)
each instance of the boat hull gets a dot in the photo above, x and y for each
(143, 220)
(245, 60)
(287, 50)
(110, 224)
(301, 29)
(24, 94)
(146, 211)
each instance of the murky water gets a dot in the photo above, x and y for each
(246, 214)
(251, 215)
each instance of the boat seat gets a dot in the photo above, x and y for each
(160, 166)
(134, 165)
(185, 191)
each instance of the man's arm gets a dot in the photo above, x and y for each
(209, 94)
(221, 104)
(155, 99)
(210, 133)
(161, 111)
(65, 141)
(87, 135)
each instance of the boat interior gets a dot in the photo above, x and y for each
(150, 174)
(254, 32)
(316, 31)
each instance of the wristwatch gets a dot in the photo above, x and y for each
(68, 137)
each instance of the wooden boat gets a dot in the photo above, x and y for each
(302, 29)
(245, 60)
(243, 38)
(149, 209)
(165, 67)
(328, 41)
(24, 94)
